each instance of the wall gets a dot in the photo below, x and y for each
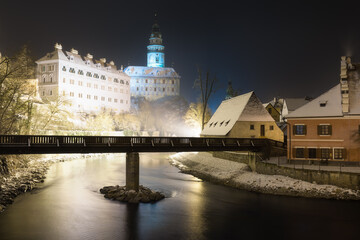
(242, 129)
(340, 179)
(344, 134)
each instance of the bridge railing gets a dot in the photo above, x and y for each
(30, 140)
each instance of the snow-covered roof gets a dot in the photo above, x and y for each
(56, 54)
(326, 105)
(246, 107)
(294, 103)
(140, 71)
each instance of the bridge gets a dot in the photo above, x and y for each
(56, 144)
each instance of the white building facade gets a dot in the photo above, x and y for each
(90, 85)
(155, 80)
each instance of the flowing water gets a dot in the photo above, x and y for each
(68, 206)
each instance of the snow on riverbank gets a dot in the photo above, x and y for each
(239, 175)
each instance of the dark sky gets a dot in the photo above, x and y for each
(276, 48)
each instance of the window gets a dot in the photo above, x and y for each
(115, 100)
(88, 96)
(64, 80)
(121, 101)
(64, 93)
(95, 97)
(88, 85)
(221, 123)
(80, 83)
(64, 68)
(115, 90)
(325, 153)
(299, 129)
(137, 89)
(80, 95)
(72, 70)
(127, 82)
(95, 86)
(163, 81)
(324, 129)
(50, 93)
(172, 89)
(271, 127)
(96, 75)
(102, 98)
(71, 94)
(300, 152)
(215, 124)
(116, 80)
(210, 124)
(121, 81)
(226, 123)
(163, 89)
(270, 110)
(103, 77)
(339, 153)
(312, 152)
(109, 99)
(80, 72)
(172, 82)
(51, 68)
(72, 81)
(252, 127)
(88, 74)
(102, 87)
(110, 89)
(43, 68)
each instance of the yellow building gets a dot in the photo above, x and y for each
(275, 114)
(243, 116)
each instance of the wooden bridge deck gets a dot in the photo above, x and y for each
(45, 144)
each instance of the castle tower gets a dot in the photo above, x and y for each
(155, 54)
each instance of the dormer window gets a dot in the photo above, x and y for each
(80, 72)
(210, 124)
(116, 80)
(103, 77)
(121, 81)
(323, 103)
(88, 74)
(72, 70)
(215, 124)
(127, 82)
(64, 68)
(96, 75)
(226, 123)
(221, 123)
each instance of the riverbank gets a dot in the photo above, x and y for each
(239, 175)
(21, 174)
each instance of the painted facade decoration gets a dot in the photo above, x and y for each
(90, 85)
(155, 80)
(243, 116)
(328, 127)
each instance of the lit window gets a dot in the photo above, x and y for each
(64, 68)
(96, 75)
(102, 98)
(72, 70)
(88, 74)
(339, 153)
(80, 72)
(324, 129)
(325, 153)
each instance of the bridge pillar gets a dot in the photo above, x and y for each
(132, 171)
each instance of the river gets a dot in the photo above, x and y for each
(68, 206)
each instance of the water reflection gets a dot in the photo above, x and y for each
(69, 206)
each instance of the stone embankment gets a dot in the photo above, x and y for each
(144, 195)
(239, 175)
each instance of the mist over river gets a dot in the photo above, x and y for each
(68, 205)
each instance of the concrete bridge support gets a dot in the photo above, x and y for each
(132, 171)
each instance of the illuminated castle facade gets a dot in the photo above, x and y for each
(155, 80)
(90, 85)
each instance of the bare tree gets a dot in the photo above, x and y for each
(207, 88)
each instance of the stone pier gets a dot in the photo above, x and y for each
(132, 171)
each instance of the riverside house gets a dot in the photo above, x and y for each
(328, 127)
(243, 116)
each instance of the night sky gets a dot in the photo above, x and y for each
(276, 48)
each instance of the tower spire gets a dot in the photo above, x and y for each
(155, 55)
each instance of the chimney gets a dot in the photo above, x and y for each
(345, 65)
(74, 51)
(103, 60)
(58, 46)
(89, 56)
